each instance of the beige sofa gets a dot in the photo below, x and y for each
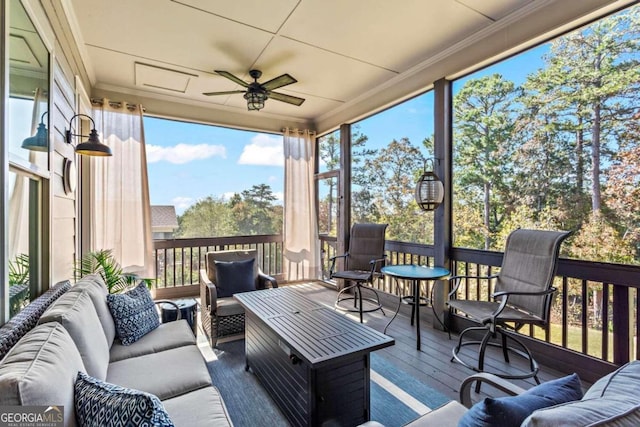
(612, 401)
(77, 333)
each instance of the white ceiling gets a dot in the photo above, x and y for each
(340, 51)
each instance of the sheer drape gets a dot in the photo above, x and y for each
(301, 244)
(120, 206)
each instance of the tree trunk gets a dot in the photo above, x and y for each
(596, 198)
(579, 157)
(487, 215)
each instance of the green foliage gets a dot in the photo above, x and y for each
(251, 212)
(19, 270)
(104, 263)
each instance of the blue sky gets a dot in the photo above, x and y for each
(187, 161)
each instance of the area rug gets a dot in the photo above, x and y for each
(249, 405)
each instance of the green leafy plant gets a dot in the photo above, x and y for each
(104, 263)
(19, 270)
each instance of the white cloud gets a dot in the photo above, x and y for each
(273, 178)
(181, 203)
(184, 153)
(279, 197)
(264, 150)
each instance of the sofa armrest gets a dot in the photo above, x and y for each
(493, 380)
(264, 279)
(208, 293)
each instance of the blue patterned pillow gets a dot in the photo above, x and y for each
(98, 403)
(133, 313)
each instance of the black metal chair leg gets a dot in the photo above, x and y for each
(360, 301)
(483, 349)
(505, 349)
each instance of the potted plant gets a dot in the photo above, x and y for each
(104, 263)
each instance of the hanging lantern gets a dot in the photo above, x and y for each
(429, 189)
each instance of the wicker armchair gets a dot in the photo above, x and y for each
(223, 317)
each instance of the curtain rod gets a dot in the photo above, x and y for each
(296, 130)
(116, 104)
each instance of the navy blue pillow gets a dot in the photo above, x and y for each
(513, 410)
(235, 277)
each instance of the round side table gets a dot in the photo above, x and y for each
(188, 311)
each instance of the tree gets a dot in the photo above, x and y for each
(393, 174)
(592, 76)
(254, 213)
(209, 217)
(484, 112)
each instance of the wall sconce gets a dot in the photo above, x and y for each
(92, 146)
(39, 141)
(429, 189)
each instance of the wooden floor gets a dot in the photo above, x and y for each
(431, 364)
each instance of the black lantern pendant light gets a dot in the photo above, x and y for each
(429, 189)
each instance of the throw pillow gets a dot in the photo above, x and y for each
(134, 313)
(235, 277)
(98, 403)
(513, 410)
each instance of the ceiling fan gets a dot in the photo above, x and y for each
(256, 93)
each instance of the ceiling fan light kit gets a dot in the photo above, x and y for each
(257, 93)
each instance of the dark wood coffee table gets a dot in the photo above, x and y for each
(313, 361)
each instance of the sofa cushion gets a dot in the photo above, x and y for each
(75, 311)
(613, 400)
(166, 336)
(94, 285)
(41, 370)
(134, 313)
(446, 415)
(512, 410)
(203, 407)
(235, 277)
(166, 374)
(99, 404)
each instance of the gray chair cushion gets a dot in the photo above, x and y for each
(166, 336)
(203, 407)
(75, 311)
(41, 369)
(446, 415)
(166, 374)
(613, 400)
(94, 285)
(228, 307)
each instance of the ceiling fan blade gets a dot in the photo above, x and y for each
(232, 78)
(228, 92)
(279, 81)
(286, 98)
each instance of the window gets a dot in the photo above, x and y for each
(388, 153)
(550, 139)
(27, 141)
(219, 181)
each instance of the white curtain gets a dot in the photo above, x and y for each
(120, 206)
(301, 244)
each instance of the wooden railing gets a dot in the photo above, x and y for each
(594, 313)
(178, 261)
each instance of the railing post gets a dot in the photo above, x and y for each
(621, 327)
(442, 150)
